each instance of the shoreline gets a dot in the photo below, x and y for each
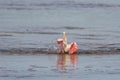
(34, 51)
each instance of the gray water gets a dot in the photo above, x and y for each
(59, 67)
(93, 24)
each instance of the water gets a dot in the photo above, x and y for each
(37, 24)
(52, 67)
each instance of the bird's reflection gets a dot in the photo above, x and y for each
(66, 61)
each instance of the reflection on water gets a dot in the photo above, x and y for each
(66, 61)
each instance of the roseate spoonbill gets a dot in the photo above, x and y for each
(64, 47)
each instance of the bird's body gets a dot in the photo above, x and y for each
(64, 47)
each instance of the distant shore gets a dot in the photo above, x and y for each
(22, 51)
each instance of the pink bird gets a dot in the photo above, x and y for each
(64, 47)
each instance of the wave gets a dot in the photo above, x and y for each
(32, 6)
(34, 51)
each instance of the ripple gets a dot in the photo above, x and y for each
(34, 51)
(28, 32)
(2, 35)
(35, 66)
(71, 28)
(54, 5)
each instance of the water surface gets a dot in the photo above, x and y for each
(37, 24)
(52, 67)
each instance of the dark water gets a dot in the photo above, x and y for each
(37, 24)
(57, 67)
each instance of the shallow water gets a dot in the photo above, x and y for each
(52, 67)
(37, 24)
